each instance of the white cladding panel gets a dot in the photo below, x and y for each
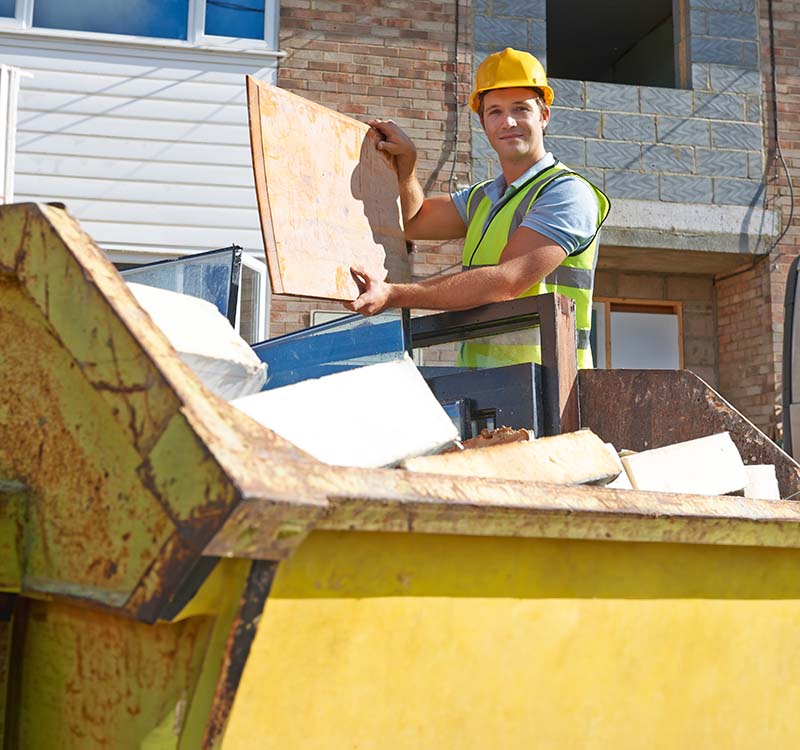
(147, 146)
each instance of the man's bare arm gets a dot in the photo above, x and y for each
(423, 218)
(526, 259)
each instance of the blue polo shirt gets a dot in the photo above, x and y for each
(565, 212)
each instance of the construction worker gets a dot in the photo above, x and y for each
(532, 230)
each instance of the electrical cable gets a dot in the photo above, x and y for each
(456, 85)
(778, 153)
(778, 149)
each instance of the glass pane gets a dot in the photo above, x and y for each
(166, 19)
(344, 344)
(644, 341)
(7, 8)
(483, 352)
(240, 18)
(207, 276)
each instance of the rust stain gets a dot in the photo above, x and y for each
(237, 648)
(43, 442)
(94, 669)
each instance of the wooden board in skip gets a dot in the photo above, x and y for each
(327, 198)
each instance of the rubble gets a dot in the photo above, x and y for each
(370, 417)
(499, 436)
(205, 340)
(621, 482)
(705, 466)
(571, 458)
(761, 482)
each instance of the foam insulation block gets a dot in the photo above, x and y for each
(705, 466)
(762, 483)
(373, 416)
(572, 458)
(205, 340)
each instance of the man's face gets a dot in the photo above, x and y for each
(514, 121)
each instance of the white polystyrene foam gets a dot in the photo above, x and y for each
(205, 340)
(372, 416)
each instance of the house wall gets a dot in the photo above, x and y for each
(751, 301)
(704, 150)
(146, 144)
(698, 145)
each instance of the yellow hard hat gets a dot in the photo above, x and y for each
(507, 70)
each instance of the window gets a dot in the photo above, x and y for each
(252, 312)
(634, 334)
(9, 88)
(187, 20)
(138, 17)
(625, 41)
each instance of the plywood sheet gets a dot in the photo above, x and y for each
(328, 199)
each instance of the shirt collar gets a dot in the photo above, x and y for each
(497, 188)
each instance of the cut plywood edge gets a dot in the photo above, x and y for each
(369, 417)
(572, 458)
(327, 198)
(705, 466)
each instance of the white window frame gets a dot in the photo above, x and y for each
(262, 327)
(9, 93)
(195, 32)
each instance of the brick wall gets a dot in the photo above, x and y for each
(381, 59)
(745, 328)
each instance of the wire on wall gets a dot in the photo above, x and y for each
(778, 154)
(778, 149)
(456, 86)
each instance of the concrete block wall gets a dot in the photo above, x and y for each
(696, 295)
(498, 24)
(633, 143)
(698, 145)
(383, 59)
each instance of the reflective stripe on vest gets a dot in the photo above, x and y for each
(574, 278)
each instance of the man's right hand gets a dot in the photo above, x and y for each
(394, 141)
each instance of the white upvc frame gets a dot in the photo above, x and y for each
(9, 90)
(197, 24)
(262, 326)
(195, 33)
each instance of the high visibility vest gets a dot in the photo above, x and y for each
(574, 278)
